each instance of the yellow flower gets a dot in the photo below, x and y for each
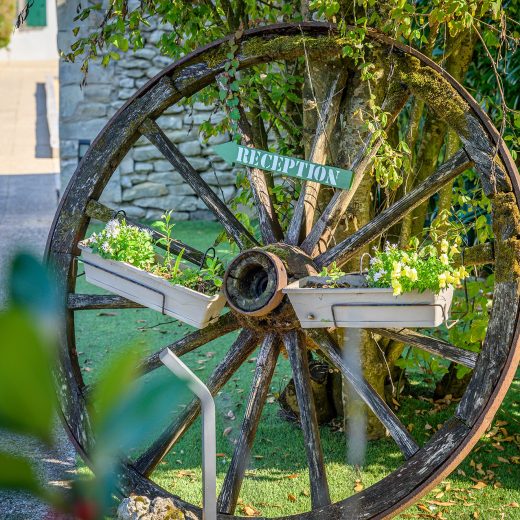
(411, 273)
(396, 271)
(397, 287)
(444, 245)
(444, 259)
(454, 250)
(442, 280)
(463, 273)
(449, 277)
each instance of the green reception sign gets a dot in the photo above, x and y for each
(234, 153)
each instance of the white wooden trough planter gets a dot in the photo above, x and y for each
(187, 305)
(364, 307)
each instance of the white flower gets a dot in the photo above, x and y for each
(106, 247)
(112, 228)
(373, 260)
(378, 275)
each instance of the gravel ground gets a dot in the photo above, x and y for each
(27, 206)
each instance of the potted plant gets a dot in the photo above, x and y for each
(402, 288)
(122, 259)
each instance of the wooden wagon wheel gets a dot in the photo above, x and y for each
(272, 324)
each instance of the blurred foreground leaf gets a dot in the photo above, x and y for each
(27, 400)
(17, 473)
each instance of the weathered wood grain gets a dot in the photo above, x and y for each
(224, 325)
(233, 227)
(497, 344)
(386, 219)
(387, 494)
(361, 386)
(434, 346)
(307, 201)
(67, 373)
(103, 213)
(82, 302)
(100, 161)
(269, 224)
(265, 366)
(296, 348)
(324, 228)
(241, 349)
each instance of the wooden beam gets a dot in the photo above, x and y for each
(323, 230)
(386, 219)
(372, 399)
(308, 199)
(233, 227)
(265, 366)
(82, 302)
(297, 351)
(437, 347)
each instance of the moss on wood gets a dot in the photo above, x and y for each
(281, 47)
(430, 86)
(507, 263)
(506, 216)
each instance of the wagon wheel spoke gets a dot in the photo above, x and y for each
(226, 217)
(319, 236)
(222, 326)
(434, 346)
(103, 213)
(308, 199)
(386, 219)
(265, 366)
(83, 302)
(297, 351)
(238, 353)
(365, 391)
(269, 223)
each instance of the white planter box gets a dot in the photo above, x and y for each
(154, 292)
(367, 307)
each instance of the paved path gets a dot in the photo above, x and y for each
(22, 125)
(27, 206)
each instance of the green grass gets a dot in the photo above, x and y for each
(277, 481)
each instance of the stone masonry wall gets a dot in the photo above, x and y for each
(145, 184)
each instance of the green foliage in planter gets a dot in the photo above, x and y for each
(126, 243)
(120, 241)
(417, 269)
(7, 15)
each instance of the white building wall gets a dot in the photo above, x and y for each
(34, 43)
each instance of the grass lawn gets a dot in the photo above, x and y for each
(486, 485)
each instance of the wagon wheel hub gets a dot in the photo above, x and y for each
(254, 280)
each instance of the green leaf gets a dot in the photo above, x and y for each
(17, 473)
(25, 376)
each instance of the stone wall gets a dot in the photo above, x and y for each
(145, 184)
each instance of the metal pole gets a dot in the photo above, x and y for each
(209, 447)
